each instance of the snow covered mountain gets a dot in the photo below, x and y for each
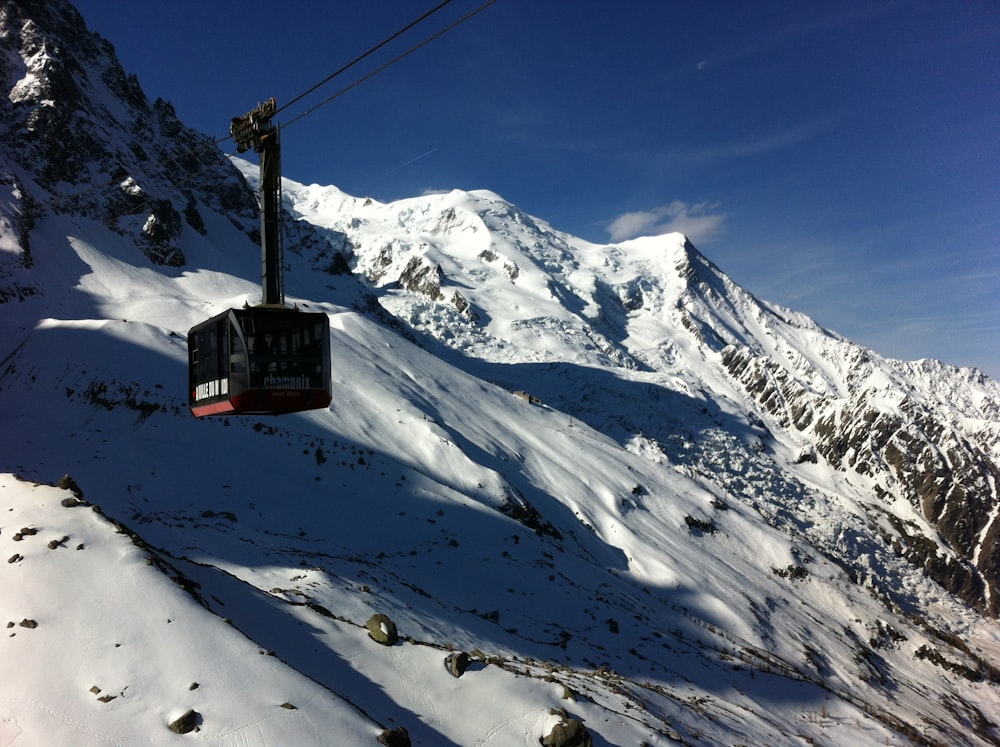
(471, 271)
(702, 519)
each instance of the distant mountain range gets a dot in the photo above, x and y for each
(642, 501)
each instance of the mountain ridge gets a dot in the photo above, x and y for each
(789, 366)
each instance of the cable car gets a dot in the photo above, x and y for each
(259, 361)
(268, 359)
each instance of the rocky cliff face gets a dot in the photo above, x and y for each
(920, 433)
(79, 136)
(923, 433)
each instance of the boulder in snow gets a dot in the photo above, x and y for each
(457, 663)
(186, 723)
(568, 733)
(382, 630)
(397, 737)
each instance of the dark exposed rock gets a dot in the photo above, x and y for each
(928, 462)
(25, 532)
(419, 277)
(339, 265)
(397, 737)
(700, 525)
(135, 165)
(464, 307)
(794, 572)
(160, 232)
(807, 455)
(567, 733)
(517, 507)
(186, 723)
(456, 663)
(382, 630)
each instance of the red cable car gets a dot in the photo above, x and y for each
(268, 359)
(259, 361)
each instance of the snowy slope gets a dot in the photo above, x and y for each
(656, 542)
(404, 498)
(106, 647)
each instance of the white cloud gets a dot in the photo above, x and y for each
(700, 222)
(630, 225)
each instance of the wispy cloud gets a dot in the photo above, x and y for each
(755, 146)
(811, 24)
(700, 222)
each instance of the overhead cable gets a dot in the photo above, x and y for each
(359, 58)
(359, 81)
(390, 63)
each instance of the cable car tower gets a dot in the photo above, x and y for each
(267, 359)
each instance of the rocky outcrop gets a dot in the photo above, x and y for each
(78, 135)
(567, 733)
(912, 449)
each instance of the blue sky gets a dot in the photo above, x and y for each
(841, 158)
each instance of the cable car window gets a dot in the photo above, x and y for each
(261, 361)
(237, 355)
